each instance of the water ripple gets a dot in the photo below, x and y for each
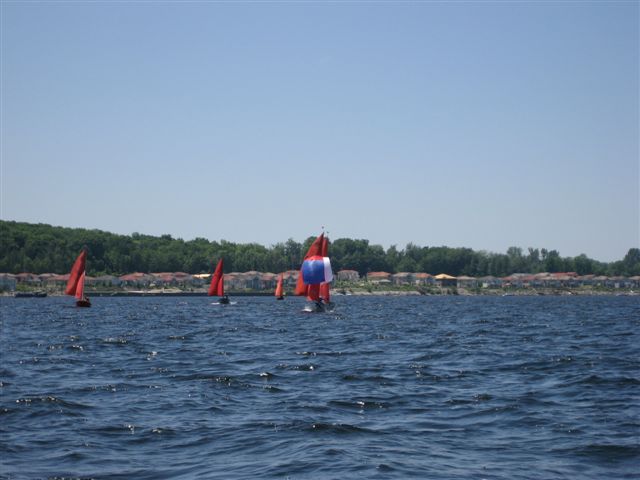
(389, 388)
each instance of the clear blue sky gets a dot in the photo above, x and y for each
(476, 124)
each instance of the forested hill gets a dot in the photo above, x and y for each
(40, 248)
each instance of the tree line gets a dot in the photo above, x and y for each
(41, 248)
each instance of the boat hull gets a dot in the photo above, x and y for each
(318, 307)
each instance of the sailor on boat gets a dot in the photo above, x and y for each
(83, 302)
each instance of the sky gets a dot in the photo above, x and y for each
(466, 124)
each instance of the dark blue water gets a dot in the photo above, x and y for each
(385, 387)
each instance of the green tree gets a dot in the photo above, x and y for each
(553, 262)
(41, 248)
(631, 263)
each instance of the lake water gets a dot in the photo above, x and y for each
(384, 387)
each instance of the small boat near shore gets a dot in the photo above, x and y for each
(217, 284)
(75, 284)
(279, 293)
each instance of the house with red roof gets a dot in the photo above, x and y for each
(379, 277)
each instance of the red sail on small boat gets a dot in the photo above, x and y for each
(77, 270)
(75, 284)
(80, 287)
(217, 283)
(279, 293)
(81, 299)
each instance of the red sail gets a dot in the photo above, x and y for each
(80, 287)
(324, 287)
(324, 292)
(313, 292)
(279, 290)
(316, 247)
(221, 286)
(301, 289)
(217, 282)
(77, 270)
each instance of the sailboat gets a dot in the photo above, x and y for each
(75, 284)
(217, 284)
(315, 276)
(279, 293)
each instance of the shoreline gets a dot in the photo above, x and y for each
(347, 292)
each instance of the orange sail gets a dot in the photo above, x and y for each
(313, 293)
(310, 291)
(279, 290)
(316, 247)
(76, 271)
(217, 281)
(301, 288)
(80, 287)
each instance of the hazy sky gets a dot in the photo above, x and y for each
(476, 124)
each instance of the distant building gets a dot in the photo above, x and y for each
(28, 278)
(423, 279)
(402, 278)
(268, 281)
(467, 282)
(379, 277)
(444, 280)
(290, 277)
(137, 279)
(489, 281)
(348, 276)
(106, 281)
(58, 281)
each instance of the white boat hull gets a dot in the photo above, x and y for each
(315, 308)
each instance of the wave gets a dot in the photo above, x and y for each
(355, 398)
(339, 428)
(359, 404)
(609, 452)
(614, 381)
(50, 399)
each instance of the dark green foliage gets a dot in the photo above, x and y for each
(629, 266)
(40, 248)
